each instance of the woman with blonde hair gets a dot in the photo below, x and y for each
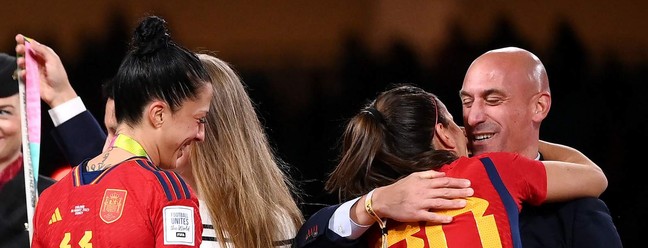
(242, 187)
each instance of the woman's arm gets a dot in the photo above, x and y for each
(570, 174)
(557, 152)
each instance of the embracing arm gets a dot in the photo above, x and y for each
(574, 176)
(557, 152)
(409, 199)
(583, 222)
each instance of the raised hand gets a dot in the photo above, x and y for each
(55, 86)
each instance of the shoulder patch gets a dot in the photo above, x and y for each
(179, 226)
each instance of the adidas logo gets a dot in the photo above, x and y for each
(56, 216)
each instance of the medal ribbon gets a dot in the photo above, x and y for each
(130, 145)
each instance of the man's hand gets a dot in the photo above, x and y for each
(55, 87)
(416, 197)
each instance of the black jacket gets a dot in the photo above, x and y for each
(13, 211)
(80, 137)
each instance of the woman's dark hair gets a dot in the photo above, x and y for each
(390, 138)
(154, 68)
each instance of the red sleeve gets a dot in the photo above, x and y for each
(176, 216)
(526, 179)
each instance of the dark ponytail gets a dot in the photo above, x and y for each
(389, 139)
(362, 141)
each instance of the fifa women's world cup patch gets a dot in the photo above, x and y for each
(112, 205)
(179, 226)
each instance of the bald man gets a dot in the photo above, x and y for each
(505, 97)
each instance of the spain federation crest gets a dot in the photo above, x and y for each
(112, 205)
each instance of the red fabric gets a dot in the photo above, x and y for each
(484, 221)
(134, 188)
(457, 236)
(10, 171)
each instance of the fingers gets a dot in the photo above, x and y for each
(22, 74)
(20, 49)
(21, 67)
(40, 49)
(21, 62)
(431, 216)
(434, 218)
(39, 52)
(20, 55)
(435, 204)
(446, 182)
(20, 39)
(431, 184)
(429, 174)
(20, 45)
(448, 193)
(439, 180)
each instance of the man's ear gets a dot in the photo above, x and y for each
(443, 138)
(542, 106)
(155, 113)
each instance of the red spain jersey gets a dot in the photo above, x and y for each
(131, 204)
(490, 218)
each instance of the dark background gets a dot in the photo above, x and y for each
(309, 67)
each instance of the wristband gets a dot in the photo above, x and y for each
(381, 223)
